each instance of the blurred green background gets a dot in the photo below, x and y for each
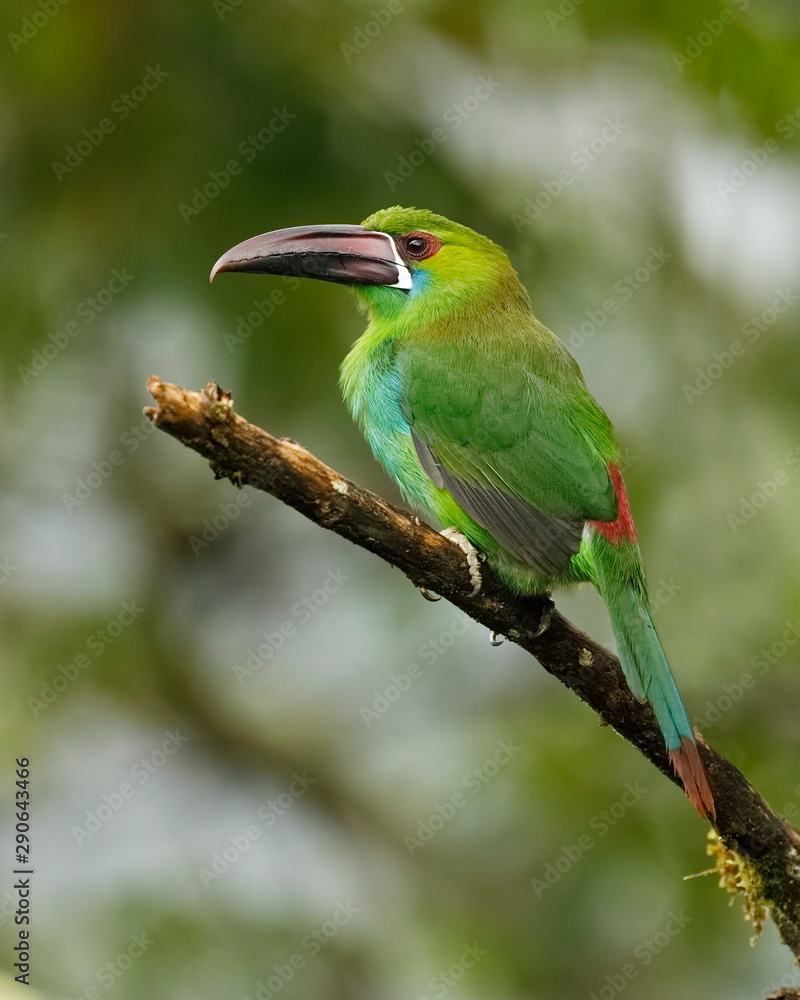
(223, 806)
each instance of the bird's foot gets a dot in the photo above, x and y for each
(474, 557)
(545, 615)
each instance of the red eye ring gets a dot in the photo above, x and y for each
(419, 245)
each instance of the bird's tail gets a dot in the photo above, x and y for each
(650, 678)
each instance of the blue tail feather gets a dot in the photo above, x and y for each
(650, 679)
(645, 665)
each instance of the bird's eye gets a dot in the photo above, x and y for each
(419, 246)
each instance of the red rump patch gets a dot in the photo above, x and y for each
(623, 529)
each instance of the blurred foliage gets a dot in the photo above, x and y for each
(153, 759)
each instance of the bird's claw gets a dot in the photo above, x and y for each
(545, 616)
(474, 557)
(429, 595)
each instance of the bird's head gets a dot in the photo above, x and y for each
(402, 262)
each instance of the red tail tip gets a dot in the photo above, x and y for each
(690, 770)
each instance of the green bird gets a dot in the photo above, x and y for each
(482, 417)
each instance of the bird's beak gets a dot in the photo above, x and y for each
(350, 255)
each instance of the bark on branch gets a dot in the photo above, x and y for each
(758, 853)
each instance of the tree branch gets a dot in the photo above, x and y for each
(758, 853)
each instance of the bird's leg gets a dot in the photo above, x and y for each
(474, 557)
(544, 615)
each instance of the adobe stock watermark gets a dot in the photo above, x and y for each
(262, 309)
(302, 612)
(764, 492)
(30, 26)
(8, 907)
(310, 945)
(755, 158)
(97, 643)
(474, 782)
(248, 149)
(624, 290)
(363, 35)
(768, 656)
(266, 815)
(581, 158)
(789, 124)
(213, 527)
(709, 32)
(760, 664)
(8, 566)
(121, 108)
(643, 953)
(627, 458)
(140, 774)
(101, 471)
(224, 7)
(453, 118)
(662, 594)
(87, 312)
(108, 974)
(791, 811)
(444, 981)
(564, 11)
(750, 333)
(788, 981)
(428, 653)
(599, 824)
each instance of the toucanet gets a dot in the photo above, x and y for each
(483, 418)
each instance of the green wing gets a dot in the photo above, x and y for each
(513, 434)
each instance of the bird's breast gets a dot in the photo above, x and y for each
(374, 388)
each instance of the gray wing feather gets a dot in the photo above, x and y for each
(542, 541)
(429, 462)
